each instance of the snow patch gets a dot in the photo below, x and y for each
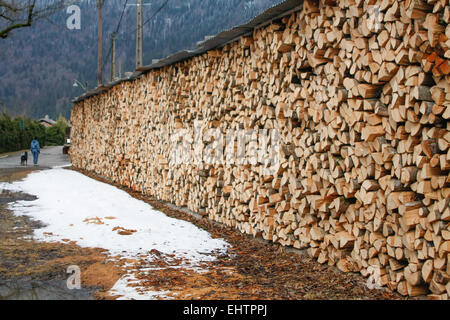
(128, 288)
(95, 214)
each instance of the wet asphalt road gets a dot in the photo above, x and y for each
(48, 158)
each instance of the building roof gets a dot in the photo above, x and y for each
(47, 119)
(211, 42)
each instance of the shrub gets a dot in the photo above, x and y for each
(12, 138)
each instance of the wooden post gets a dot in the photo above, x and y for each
(99, 43)
(139, 35)
(113, 56)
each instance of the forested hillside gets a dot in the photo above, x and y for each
(38, 65)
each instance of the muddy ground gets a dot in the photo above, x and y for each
(253, 269)
(31, 270)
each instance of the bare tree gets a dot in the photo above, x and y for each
(15, 14)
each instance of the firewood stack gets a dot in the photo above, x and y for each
(359, 92)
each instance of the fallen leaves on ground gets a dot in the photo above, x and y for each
(22, 259)
(253, 269)
(122, 231)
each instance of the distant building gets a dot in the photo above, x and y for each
(46, 121)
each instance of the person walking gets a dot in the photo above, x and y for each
(35, 150)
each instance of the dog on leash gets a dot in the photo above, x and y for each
(24, 159)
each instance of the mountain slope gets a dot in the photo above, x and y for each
(39, 64)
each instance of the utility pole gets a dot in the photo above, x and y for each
(139, 35)
(113, 56)
(99, 39)
(139, 26)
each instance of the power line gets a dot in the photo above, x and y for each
(146, 21)
(121, 16)
(156, 12)
(115, 32)
(139, 30)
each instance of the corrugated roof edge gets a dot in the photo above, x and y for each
(276, 12)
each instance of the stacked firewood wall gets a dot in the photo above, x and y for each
(359, 92)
